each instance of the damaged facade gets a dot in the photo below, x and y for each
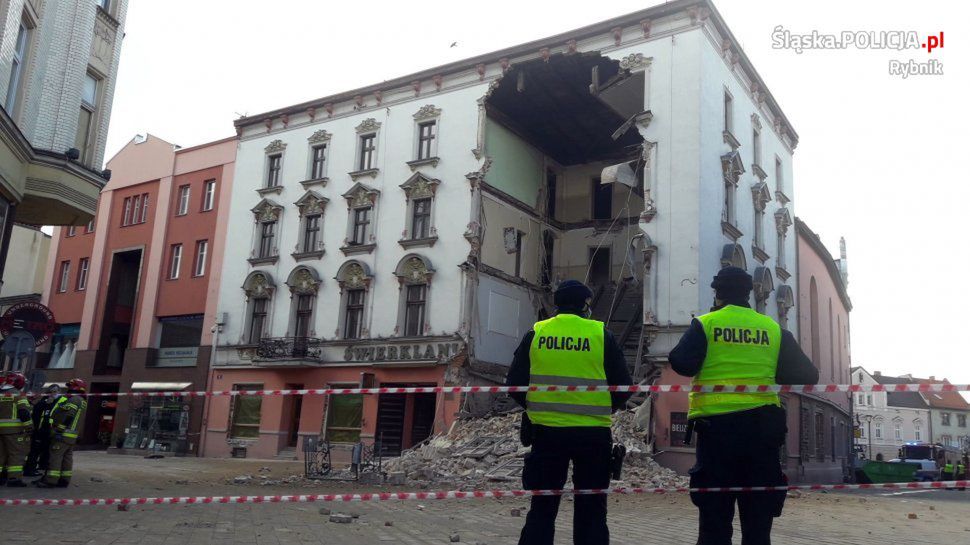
(409, 233)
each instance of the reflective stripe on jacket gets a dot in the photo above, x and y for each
(67, 416)
(568, 350)
(11, 404)
(742, 348)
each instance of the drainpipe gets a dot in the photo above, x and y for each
(208, 388)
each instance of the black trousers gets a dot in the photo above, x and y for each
(39, 454)
(739, 449)
(546, 468)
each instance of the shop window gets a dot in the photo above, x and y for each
(246, 413)
(344, 418)
(158, 424)
(63, 345)
(179, 339)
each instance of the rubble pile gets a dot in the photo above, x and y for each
(485, 453)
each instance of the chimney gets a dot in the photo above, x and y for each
(877, 373)
(843, 262)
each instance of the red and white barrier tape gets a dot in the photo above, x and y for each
(459, 495)
(655, 388)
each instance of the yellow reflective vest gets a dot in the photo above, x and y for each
(66, 418)
(11, 402)
(742, 348)
(568, 350)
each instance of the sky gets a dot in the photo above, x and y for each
(877, 160)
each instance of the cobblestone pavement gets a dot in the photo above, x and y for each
(816, 518)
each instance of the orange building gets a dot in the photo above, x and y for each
(131, 292)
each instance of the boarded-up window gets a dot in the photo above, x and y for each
(344, 416)
(246, 413)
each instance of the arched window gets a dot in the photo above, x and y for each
(763, 286)
(259, 288)
(414, 273)
(732, 255)
(304, 283)
(813, 305)
(354, 279)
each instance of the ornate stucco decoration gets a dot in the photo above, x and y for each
(420, 186)
(276, 146)
(319, 137)
(763, 283)
(782, 220)
(353, 276)
(360, 196)
(414, 270)
(634, 61)
(303, 281)
(311, 203)
(731, 167)
(259, 286)
(427, 111)
(756, 121)
(761, 195)
(368, 125)
(267, 210)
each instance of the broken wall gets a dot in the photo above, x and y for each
(505, 313)
(517, 167)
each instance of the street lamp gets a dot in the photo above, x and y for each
(868, 418)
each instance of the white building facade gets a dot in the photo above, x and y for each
(886, 420)
(411, 232)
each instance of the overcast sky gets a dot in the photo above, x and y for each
(877, 160)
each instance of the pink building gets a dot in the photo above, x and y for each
(134, 292)
(820, 425)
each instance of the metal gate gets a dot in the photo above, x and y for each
(366, 462)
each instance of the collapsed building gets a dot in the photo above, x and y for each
(432, 216)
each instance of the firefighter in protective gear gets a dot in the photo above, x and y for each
(40, 444)
(738, 434)
(568, 349)
(15, 429)
(65, 421)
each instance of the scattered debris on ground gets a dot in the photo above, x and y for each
(480, 453)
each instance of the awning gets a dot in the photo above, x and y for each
(160, 386)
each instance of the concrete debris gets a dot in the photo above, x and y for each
(484, 452)
(388, 523)
(455, 538)
(242, 479)
(325, 511)
(516, 512)
(913, 516)
(341, 519)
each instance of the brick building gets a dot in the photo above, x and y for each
(133, 290)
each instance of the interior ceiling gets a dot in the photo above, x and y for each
(555, 111)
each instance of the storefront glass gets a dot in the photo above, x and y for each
(158, 424)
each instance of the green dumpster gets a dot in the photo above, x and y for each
(889, 472)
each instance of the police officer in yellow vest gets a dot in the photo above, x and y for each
(569, 349)
(66, 418)
(738, 434)
(15, 429)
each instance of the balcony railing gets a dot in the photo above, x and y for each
(287, 348)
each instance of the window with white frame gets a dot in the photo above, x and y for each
(183, 207)
(267, 215)
(426, 139)
(945, 419)
(756, 145)
(90, 227)
(782, 223)
(898, 430)
(366, 160)
(17, 67)
(86, 138)
(962, 420)
(918, 430)
(731, 171)
(208, 195)
(135, 210)
(304, 283)
(368, 147)
(354, 279)
(175, 262)
(273, 168)
(65, 276)
(728, 112)
(144, 209)
(201, 252)
(318, 161)
(779, 176)
(361, 202)
(878, 430)
(82, 273)
(420, 192)
(259, 289)
(761, 198)
(71, 231)
(311, 207)
(869, 400)
(414, 274)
